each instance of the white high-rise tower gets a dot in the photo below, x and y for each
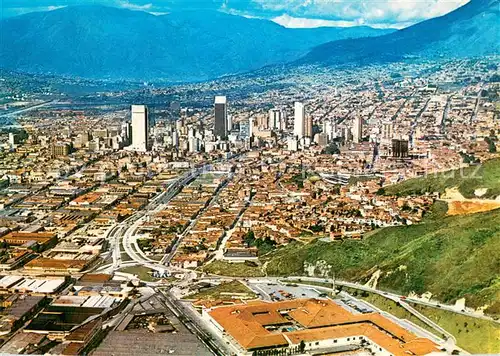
(275, 119)
(140, 128)
(357, 129)
(299, 120)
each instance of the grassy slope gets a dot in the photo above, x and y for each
(487, 175)
(233, 269)
(472, 334)
(453, 257)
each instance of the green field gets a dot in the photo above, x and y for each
(219, 292)
(453, 257)
(485, 175)
(472, 334)
(143, 273)
(233, 269)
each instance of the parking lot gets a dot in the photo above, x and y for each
(276, 291)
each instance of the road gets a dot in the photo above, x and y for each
(193, 323)
(29, 108)
(168, 257)
(219, 253)
(124, 233)
(392, 296)
(395, 296)
(117, 233)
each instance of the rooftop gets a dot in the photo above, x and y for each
(253, 326)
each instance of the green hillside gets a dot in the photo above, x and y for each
(485, 175)
(453, 257)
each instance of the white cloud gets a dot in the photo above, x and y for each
(52, 8)
(238, 13)
(372, 13)
(131, 6)
(301, 22)
(15, 11)
(158, 13)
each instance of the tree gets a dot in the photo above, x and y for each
(302, 346)
(495, 78)
(491, 145)
(332, 149)
(249, 238)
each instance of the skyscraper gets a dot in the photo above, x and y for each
(220, 124)
(357, 129)
(308, 127)
(13, 140)
(229, 123)
(244, 129)
(387, 130)
(275, 119)
(140, 128)
(251, 125)
(299, 117)
(175, 139)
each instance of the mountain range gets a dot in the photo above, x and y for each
(99, 42)
(471, 30)
(106, 42)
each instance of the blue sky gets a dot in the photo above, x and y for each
(290, 13)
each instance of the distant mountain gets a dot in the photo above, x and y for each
(471, 30)
(106, 42)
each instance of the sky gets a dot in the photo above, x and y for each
(289, 13)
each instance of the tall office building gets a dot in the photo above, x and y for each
(263, 122)
(308, 127)
(126, 134)
(193, 144)
(330, 129)
(140, 128)
(221, 121)
(251, 126)
(244, 129)
(387, 130)
(299, 118)
(275, 119)
(229, 123)
(13, 140)
(357, 129)
(399, 148)
(175, 139)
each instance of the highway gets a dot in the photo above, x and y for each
(402, 300)
(29, 108)
(393, 296)
(122, 233)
